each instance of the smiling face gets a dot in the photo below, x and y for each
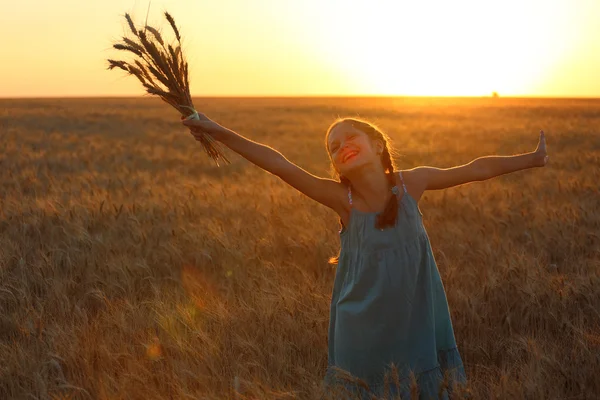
(350, 148)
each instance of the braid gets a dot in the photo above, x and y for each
(389, 215)
(386, 161)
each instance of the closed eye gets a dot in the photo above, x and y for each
(335, 148)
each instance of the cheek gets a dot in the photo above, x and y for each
(336, 158)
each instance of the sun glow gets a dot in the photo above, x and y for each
(466, 47)
(315, 47)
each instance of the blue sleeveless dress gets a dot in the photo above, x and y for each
(389, 306)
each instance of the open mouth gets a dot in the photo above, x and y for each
(349, 156)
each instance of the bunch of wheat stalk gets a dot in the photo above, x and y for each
(163, 71)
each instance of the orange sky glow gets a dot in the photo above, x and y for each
(531, 48)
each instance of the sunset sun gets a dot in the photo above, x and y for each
(464, 48)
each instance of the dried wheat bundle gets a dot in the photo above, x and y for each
(163, 71)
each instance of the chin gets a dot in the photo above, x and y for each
(356, 164)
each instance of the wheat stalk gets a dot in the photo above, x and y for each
(162, 70)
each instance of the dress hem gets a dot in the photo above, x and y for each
(428, 380)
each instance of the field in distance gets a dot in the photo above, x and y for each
(132, 267)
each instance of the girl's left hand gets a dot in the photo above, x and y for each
(541, 156)
(205, 125)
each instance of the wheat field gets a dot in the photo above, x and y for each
(133, 268)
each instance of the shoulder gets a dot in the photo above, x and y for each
(413, 180)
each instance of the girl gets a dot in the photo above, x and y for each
(388, 305)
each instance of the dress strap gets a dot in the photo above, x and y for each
(350, 194)
(402, 180)
(350, 201)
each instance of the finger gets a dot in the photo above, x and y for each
(192, 124)
(197, 133)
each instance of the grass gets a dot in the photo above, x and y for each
(132, 267)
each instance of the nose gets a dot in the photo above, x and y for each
(342, 147)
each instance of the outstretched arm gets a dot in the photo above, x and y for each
(325, 191)
(480, 169)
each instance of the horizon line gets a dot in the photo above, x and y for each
(147, 96)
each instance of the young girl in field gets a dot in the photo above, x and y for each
(388, 305)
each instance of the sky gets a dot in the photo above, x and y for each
(525, 48)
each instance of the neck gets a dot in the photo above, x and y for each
(371, 185)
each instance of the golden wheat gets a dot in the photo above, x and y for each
(132, 269)
(168, 74)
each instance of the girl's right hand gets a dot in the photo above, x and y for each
(205, 125)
